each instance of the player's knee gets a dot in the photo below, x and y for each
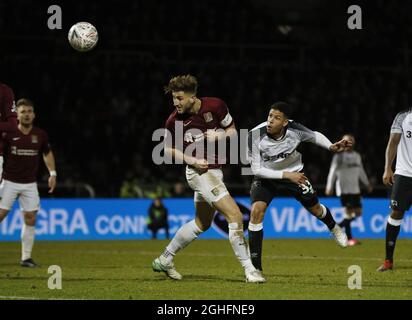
(258, 213)
(396, 214)
(3, 214)
(316, 210)
(203, 223)
(30, 219)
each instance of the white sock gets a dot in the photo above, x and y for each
(394, 222)
(27, 241)
(239, 245)
(324, 211)
(185, 235)
(255, 227)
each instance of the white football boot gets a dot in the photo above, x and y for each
(255, 276)
(160, 265)
(340, 236)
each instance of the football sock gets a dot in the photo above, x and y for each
(392, 230)
(185, 235)
(27, 241)
(255, 244)
(348, 229)
(239, 245)
(327, 218)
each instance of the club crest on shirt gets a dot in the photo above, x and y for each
(34, 138)
(208, 116)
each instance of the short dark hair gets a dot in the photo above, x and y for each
(349, 134)
(24, 102)
(283, 107)
(186, 83)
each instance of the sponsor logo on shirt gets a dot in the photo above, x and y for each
(208, 116)
(24, 152)
(282, 155)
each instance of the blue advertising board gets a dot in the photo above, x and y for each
(115, 219)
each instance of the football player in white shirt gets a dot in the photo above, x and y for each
(278, 170)
(346, 171)
(399, 145)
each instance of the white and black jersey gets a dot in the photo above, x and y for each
(346, 171)
(269, 157)
(403, 125)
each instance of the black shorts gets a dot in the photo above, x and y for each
(265, 190)
(351, 200)
(401, 196)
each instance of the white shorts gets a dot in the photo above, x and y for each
(208, 187)
(27, 193)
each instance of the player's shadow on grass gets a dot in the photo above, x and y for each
(193, 277)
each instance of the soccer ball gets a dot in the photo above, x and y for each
(83, 36)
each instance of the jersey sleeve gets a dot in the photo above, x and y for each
(223, 115)
(397, 122)
(304, 134)
(332, 172)
(8, 104)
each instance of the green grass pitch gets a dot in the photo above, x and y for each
(295, 269)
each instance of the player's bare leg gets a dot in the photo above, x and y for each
(347, 219)
(228, 207)
(392, 231)
(256, 233)
(3, 214)
(324, 215)
(183, 237)
(350, 215)
(27, 239)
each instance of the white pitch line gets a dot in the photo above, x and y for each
(33, 298)
(18, 298)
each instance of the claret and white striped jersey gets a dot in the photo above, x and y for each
(346, 171)
(270, 157)
(403, 125)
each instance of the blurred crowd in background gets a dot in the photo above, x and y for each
(101, 108)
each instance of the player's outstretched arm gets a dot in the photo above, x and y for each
(50, 163)
(340, 146)
(200, 165)
(390, 155)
